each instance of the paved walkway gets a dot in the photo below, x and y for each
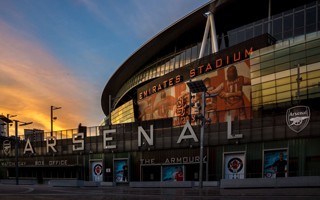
(37, 192)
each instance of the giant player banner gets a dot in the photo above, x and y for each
(232, 86)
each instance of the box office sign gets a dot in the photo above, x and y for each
(298, 118)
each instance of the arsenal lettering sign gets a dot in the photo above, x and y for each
(298, 118)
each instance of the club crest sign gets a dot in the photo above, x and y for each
(298, 118)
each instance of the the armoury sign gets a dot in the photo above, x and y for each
(298, 118)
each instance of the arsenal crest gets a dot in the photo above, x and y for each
(97, 169)
(298, 118)
(235, 165)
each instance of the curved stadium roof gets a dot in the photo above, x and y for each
(228, 14)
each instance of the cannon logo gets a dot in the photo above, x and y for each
(298, 118)
(6, 147)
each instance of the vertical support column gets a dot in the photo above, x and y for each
(214, 41)
(269, 17)
(205, 38)
(201, 139)
(210, 25)
(110, 106)
(16, 152)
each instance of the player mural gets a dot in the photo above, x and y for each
(232, 85)
(121, 170)
(275, 163)
(172, 173)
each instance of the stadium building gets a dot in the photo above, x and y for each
(226, 95)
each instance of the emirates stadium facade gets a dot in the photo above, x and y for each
(224, 96)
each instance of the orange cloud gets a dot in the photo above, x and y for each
(32, 79)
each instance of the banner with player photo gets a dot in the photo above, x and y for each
(172, 173)
(232, 85)
(121, 170)
(97, 171)
(234, 165)
(275, 163)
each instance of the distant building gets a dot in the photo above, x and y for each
(34, 135)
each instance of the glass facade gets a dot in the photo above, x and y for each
(123, 114)
(292, 24)
(274, 72)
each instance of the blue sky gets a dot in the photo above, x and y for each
(62, 53)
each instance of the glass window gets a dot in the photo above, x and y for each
(313, 74)
(256, 94)
(313, 43)
(282, 67)
(269, 91)
(268, 78)
(284, 95)
(258, 29)
(249, 32)
(241, 36)
(277, 28)
(284, 88)
(298, 56)
(297, 48)
(256, 101)
(268, 84)
(177, 62)
(299, 23)
(310, 20)
(313, 51)
(256, 87)
(281, 53)
(267, 57)
(267, 64)
(313, 59)
(194, 55)
(267, 71)
(183, 59)
(318, 16)
(232, 38)
(269, 99)
(255, 74)
(314, 83)
(287, 26)
(167, 67)
(254, 67)
(283, 81)
(171, 68)
(281, 60)
(254, 61)
(188, 56)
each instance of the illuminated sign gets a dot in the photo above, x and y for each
(192, 71)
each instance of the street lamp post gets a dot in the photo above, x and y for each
(16, 147)
(8, 124)
(196, 87)
(53, 118)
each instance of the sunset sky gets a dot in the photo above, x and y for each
(62, 53)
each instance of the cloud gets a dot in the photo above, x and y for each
(32, 79)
